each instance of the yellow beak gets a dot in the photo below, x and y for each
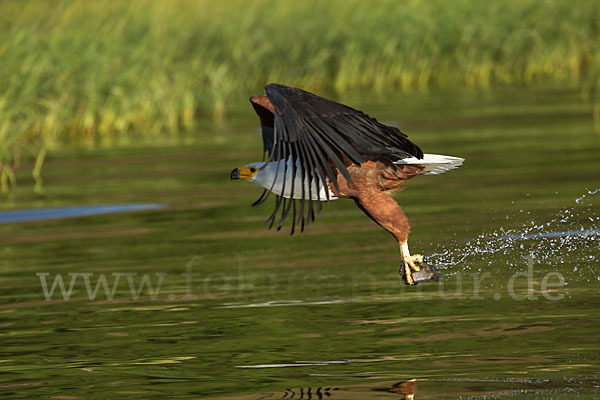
(243, 173)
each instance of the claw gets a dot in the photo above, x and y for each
(415, 270)
(414, 262)
(407, 276)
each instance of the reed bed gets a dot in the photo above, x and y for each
(103, 72)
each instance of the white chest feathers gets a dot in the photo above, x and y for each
(284, 182)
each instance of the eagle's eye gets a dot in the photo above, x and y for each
(252, 169)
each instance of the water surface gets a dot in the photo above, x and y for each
(37, 214)
(199, 300)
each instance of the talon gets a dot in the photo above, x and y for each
(414, 270)
(414, 262)
(408, 275)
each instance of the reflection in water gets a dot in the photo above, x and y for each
(450, 388)
(38, 214)
(407, 388)
(309, 393)
(573, 234)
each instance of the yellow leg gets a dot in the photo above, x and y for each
(412, 261)
(414, 269)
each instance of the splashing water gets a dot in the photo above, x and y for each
(591, 192)
(570, 241)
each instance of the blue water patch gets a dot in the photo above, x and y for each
(38, 214)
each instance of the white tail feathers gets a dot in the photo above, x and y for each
(433, 164)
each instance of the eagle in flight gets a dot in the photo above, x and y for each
(318, 150)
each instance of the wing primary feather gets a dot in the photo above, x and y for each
(282, 211)
(278, 200)
(302, 224)
(339, 165)
(306, 180)
(271, 218)
(274, 155)
(279, 146)
(340, 134)
(331, 155)
(285, 170)
(266, 122)
(315, 171)
(260, 199)
(308, 164)
(265, 195)
(293, 217)
(285, 211)
(303, 197)
(276, 143)
(324, 165)
(342, 145)
(280, 197)
(311, 178)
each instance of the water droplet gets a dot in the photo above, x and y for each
(568, 236)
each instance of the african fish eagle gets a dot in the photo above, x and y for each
(319, 150)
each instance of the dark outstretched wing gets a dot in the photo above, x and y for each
(319, 136)
(264, 110)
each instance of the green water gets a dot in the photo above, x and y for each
(237, 311)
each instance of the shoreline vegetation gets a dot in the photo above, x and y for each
(78, 73)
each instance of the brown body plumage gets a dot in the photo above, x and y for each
(371, 186)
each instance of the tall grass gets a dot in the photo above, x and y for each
(89, 72)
